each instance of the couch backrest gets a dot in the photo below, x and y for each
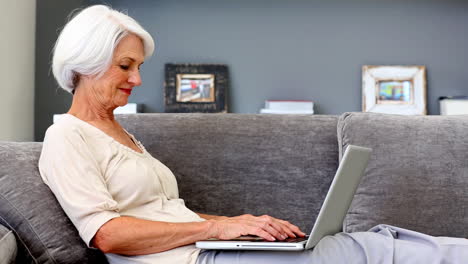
(417, 177)
(226, 164)
(280, 165)
(231, 164)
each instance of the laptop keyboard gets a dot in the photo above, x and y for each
(259, 239)
(293, 239)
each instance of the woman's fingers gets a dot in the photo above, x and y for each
(260, 228)
(287, 229)
(236, 227)
(294, 229)
(284, 227)
(262, 232)
(283, 231)
(268, 227)
(273, 229)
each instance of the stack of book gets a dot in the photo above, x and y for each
(130, 108)
(453, 105)
(288, 107)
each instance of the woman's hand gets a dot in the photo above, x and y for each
(264, 226)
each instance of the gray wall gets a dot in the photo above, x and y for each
(298, 49)
(51, 16)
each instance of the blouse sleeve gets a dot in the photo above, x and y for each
(69, 168)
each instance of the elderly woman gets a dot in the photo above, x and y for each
(121, 199)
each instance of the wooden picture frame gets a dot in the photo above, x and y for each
(192, 88)
(394, 89)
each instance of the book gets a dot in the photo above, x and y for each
(275, 111)
(130, 108)
(288, 107)
(456, 105)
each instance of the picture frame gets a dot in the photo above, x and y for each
(196, 88)
(394, 89)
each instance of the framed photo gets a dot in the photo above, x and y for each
(191, 88)
(394, 89)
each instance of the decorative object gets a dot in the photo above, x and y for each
(193, 88)
(394, 89)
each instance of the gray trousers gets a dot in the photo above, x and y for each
(254, 257)
(383, 244)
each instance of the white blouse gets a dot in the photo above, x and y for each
(95, 178)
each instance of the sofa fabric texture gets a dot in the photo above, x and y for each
(233, 164)
(30, 210)
(417, 176)
(8, 246)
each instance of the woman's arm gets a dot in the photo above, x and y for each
(132, 236)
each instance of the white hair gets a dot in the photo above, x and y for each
(87, 42)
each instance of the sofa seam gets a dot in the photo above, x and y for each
(341, 128)
(345, 220)
(340, 138)
(32, 229)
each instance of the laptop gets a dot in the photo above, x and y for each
(330, 218)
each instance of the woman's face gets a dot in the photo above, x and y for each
(115, 86)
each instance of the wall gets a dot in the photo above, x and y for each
(300, 49)
(50, 99)
(305, 49)
(17, 28)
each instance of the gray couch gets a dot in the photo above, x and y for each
(281, 165)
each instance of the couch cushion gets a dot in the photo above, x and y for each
(28, 207)
(417, 177)
(7, 246)
(230, 164)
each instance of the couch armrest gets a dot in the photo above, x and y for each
(8, 246)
